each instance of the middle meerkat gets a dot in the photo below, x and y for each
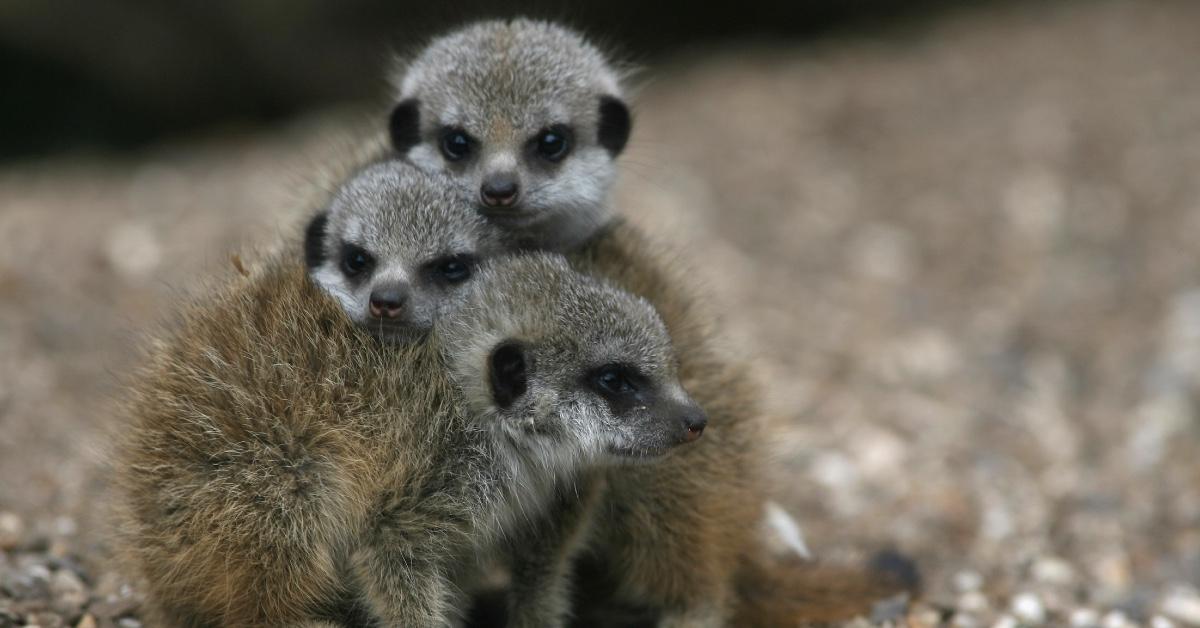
(529, 117)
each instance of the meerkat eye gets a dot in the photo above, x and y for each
(615, 380)
(452, 270)
(456, 144)
(554, 143)
(355, 260)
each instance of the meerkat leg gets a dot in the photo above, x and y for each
(403, 565)
(542, 560)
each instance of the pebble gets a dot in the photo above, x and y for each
(1116, 619)
(1053, 571)
(1182, 605)
(11, 529)
(973, 602)
(1158, 621)
(890, 610)
(113, 607)
(46, 620)
(1084, 618)
(1029, 609)
(23, 585)
(1006, 621)
(129, 622)
(87, 621)
(967, 581)
(70, 595)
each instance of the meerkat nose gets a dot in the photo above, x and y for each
(693, 424)
(499, 191)
(388, 302)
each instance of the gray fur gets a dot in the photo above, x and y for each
(405, 219)
(277, 453)
(503, 81)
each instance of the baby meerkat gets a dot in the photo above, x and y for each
(531, 115)
(526, 115)
(280, 458)
(393, 245)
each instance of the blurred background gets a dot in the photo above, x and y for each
(958, 242)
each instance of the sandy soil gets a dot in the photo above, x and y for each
(964, 259)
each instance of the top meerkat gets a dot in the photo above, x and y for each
(526, 114)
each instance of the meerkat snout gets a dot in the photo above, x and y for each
(500, 190)
(388, 301)
(693, 424)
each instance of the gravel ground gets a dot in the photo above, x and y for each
(964, 258)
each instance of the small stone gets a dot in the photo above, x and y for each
(46, 620)
(963, 620)
(1006, 621)
(1158, 621)
(133, 250)
(973, 602)
(21, 585)
(65, 526)
(1116, 619)
(87, 621)
(890, 610)
(1182, 605)
(1084, 618)
(925, 618)
(1054, 571)
(70, 595)
(11, 529)
(967, 581)
(129, 622)
(1029, 609)
(113, 607)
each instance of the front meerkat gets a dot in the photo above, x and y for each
(283, 466)
(531, 117)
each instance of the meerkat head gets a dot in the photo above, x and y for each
(563, 364)
(526, 115)
(393, 245)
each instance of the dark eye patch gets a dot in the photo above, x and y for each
(314, 240)
(509, 373)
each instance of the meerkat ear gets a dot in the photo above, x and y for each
(508, 373)
(615, 124)
(314, 240)
(403, 125)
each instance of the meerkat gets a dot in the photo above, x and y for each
(530, 117)
(546, 166)
(394, 244)
(281, 458)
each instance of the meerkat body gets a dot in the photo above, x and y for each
(535, 105)
(288, 462)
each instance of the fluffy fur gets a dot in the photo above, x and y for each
(502, 84)
(282, 466)
(419, 240)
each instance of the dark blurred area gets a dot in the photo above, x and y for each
(121, 73)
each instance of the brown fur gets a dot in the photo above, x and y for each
(673, 532)
(775, 593)
(282, 465)
(261, 433)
